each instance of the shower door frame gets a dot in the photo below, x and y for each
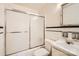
(20, 11)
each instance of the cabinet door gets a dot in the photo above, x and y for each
(2, 45)
(17, 32)
(37, 31)
(57, 53)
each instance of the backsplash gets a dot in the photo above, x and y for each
(67, 34)
(53, 35)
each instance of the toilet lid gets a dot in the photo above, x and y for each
(41, 52)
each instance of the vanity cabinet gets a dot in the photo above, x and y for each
(56, 52)
(2, 44)
(53, 51)
(2, 31)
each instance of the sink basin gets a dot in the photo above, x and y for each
(71, 49)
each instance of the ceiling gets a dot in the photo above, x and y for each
(36, 6)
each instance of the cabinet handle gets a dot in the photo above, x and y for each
(19, 32)
(1, 27)
(15, 32)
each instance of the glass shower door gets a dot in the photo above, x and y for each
(17, 32)
(37, 31)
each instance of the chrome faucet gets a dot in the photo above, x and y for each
(65, 36)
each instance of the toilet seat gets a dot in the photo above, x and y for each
(41, 52)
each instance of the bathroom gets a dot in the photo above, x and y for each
(39, 29)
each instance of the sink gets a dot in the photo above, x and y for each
(71, 49)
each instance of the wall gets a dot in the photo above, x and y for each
(52, 14)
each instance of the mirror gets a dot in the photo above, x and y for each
(70, 14)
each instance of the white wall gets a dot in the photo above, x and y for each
(52, 14)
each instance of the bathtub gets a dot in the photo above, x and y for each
(26, 52)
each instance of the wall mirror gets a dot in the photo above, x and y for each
(70, 14)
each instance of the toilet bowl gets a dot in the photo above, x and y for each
(41, 52)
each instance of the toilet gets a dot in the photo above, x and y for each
(41, 52)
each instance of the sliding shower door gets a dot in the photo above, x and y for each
(17, 31)
(37, 31)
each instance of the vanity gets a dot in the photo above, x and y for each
(63, 43)
(65, 37)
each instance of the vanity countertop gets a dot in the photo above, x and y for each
(70, 49)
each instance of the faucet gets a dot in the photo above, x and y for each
(69, 41)
(65, 36)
